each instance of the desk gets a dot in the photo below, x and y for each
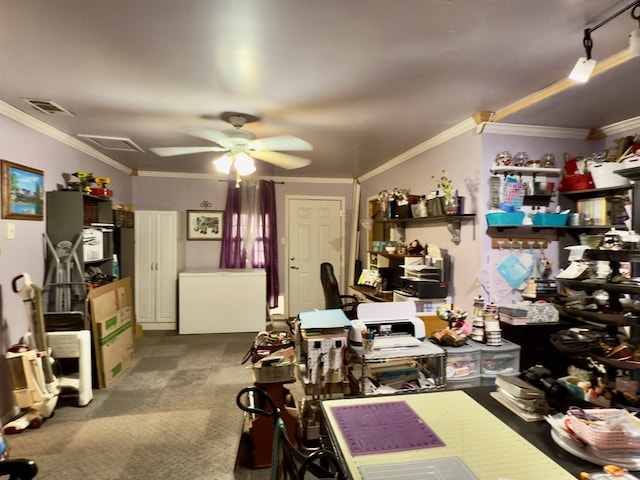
(370, 294)
(490, 448)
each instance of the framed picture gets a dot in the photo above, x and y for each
(205, 224)
(22, 192)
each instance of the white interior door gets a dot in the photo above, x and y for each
(315, 235)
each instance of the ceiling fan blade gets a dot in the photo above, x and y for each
(283, 160)
(172, 151)
(282, 142)
(211, 135)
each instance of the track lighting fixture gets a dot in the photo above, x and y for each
(585, 65)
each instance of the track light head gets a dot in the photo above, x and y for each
(582, 70)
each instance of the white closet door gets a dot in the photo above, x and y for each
(156, 269)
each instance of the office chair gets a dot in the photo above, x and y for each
(287, 462)
(332, 296)
(19, 469)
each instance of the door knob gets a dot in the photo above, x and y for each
(293, 258)
(293, 267)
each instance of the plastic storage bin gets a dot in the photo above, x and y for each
(603, 176)
(551, 219)
(504, 359)
(462, 383)
(463, 362)
(505, 218)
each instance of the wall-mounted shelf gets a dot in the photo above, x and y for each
(453, 223)
(596, 192)
(506, 170)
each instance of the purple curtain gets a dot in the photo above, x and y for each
(232, 254)
(269, 236)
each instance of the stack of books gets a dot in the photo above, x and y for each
(522, 398)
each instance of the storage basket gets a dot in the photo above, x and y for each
(603, 439)
(603, 176)
(505, 218)
(273, 373)
(550, 219)
(573, 183)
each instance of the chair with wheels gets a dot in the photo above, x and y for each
(332, 296)
(287, 462)
(18, 469)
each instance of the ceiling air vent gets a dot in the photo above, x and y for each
(112, 143)
(48, 107)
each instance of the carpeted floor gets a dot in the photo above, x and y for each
(172, 415)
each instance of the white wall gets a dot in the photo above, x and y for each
(22, 145)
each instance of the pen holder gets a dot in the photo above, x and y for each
(367, 346)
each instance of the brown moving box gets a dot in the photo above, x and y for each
(113, 328)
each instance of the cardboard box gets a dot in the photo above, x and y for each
(113, 329)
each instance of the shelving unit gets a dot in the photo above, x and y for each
(69, 215)
(620, 316)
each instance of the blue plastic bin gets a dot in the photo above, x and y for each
(505, 218)
(550, 219)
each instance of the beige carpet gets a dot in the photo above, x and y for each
(172, 415)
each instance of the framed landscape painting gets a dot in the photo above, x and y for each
(205, 224)
(22, 192)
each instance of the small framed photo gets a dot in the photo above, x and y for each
(22, 192)
(205, 224)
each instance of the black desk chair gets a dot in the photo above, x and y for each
(332, 296)
(287, 462)
(18, 469)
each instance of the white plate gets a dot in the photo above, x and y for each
(590, 455)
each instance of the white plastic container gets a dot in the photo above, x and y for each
(603, 176)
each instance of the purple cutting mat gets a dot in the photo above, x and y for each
(383, 427)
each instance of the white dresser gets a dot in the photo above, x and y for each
(222, 301)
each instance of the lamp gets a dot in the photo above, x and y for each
(223, 164)
(242, 163)
(584, 66)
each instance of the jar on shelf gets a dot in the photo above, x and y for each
(451, 205)
(520, 159)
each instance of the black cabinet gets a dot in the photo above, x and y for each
(536, 347)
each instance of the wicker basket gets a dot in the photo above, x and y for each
(602, 439)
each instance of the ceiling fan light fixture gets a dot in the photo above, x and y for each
(582, 70)
(244, 164)
(223, 164)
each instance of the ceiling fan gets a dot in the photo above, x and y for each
(241, 145)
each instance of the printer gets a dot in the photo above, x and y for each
(396, 327)
(399, 359)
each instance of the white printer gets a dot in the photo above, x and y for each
(396, 327)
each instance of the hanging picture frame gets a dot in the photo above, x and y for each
(205, 224)
(22, 192)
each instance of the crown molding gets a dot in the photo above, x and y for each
(462, 127)
(213, 176)
(41, 127)
(533, 130)
(621, 127)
